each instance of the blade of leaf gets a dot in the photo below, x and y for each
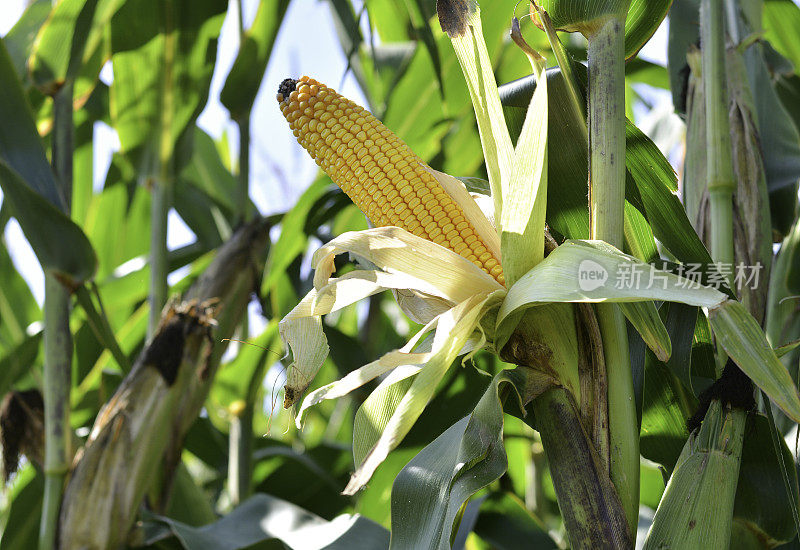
(429, 492)
(20, 146)
(462, 23)
(757, 500)
(263, 519)
(745, 343)
(244, 79)
(645, 319)
(59, 244)
(69, 39)
(19, 40)
(593, 271)
(644, 18)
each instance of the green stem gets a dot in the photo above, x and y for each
(606, 49)
(241, 452)
(241, 429)
(57, 342)
(162, 185)
(243, 194)
(623, 424)
(240, 465)
(719, 155)
(159, 210)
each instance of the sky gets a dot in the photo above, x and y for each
(280, 168)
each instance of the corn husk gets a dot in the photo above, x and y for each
(697, 507)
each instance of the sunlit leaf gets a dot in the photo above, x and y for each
(745, 343)
(245, 77)
(429, 491)
(60, 245)
(264, 519)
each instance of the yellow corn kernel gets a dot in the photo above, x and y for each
(377, 170)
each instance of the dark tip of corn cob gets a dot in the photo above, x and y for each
(286, 87)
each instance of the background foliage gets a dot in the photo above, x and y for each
(410, 77)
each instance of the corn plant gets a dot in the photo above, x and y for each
(576, 350)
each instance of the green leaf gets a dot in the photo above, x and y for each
(644, 317)
(94, 110)
(703, 362)
(19, 361)
(762, 504)
(118, 226)
(506, 524)
(668, 400)
(69, 39)
(208, 173)
(162, 68)
(20, 39)
(233, 379)
(188, 503)
(387, 15)
(779, 137)
(585, 17)
(18, 308)
(651, 185)
(312, 479)
(429, 492)
(680, 321)
(245, 77)
(264, 519)
(646, 72)
(20, 146)
(684, 33)
(782, 320)
(644, 18)
(781, 20)
(657, 185)
(593, 271)
(22, 528)
(745, 343)
(292, 240)
(652, 485)
(60, 245)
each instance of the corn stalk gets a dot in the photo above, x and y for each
(159, 400)
(162, 182)
(241, 429)
(706, 475)
(606, 51)
(57, 342)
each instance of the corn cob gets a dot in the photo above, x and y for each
(377, 170)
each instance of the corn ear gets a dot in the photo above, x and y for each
(379, 172)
